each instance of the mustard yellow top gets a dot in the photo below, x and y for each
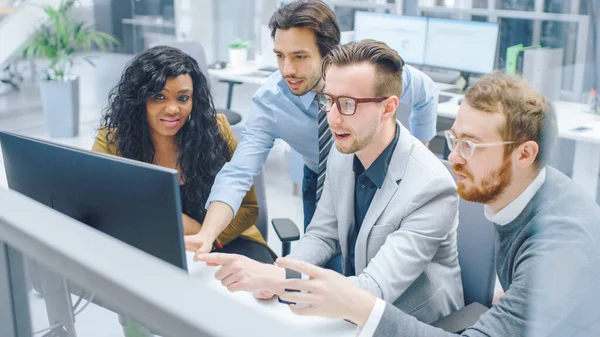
(243, 223)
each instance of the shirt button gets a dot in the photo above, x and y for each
(362, 186)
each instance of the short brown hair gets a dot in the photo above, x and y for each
(529, 115)
(386, 60)
(312, 14)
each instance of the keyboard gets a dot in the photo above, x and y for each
(260, 74)
(269, 69)
(454, 91)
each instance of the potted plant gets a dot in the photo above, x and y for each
(238, 52)
(59, 40)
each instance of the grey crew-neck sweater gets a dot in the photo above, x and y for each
(548, 262)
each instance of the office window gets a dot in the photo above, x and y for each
(480, 3)
(345, 15)
(430, 3)
(517, 5)
(584, 7)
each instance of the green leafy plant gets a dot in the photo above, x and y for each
(59, 39)
(240, 44)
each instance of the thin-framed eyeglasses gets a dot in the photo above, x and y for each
(346, 105)
(466, 148)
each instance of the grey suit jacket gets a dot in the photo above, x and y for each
(406, 251)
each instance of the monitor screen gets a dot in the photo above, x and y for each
(135, 202)
(404, 34)
(468, 46)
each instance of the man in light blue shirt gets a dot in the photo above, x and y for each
(304, 31)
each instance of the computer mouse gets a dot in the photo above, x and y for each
(218, 65)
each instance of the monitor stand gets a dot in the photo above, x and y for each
(466, 76)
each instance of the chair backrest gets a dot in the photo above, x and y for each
(263, 215)
(475, 251)
(193, 49)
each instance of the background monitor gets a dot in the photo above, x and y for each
(467, 46)
(404, 34)
(134, 202)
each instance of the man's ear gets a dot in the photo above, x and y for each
(527, 153)
(391, 106)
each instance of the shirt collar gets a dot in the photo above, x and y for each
(512, 210)
(307, 98)
(378, 170)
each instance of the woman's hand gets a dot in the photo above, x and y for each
(199, 243)
(190, 226)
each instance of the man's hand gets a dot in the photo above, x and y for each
(239, 273)
(326, 294)
(499, 294)
(190, 226)
(201, 243)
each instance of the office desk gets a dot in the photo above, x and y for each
(249, 73)
(61, 311)
(205, 277)
(570, 117)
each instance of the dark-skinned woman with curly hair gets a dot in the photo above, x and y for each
(161, 112)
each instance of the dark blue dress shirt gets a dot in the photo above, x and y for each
(366, 184)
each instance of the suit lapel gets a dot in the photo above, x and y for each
(346, 198)
(384, 195)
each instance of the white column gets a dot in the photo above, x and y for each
(586, 166)
(537, 24)
(194, 20)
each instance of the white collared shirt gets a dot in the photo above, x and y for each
(512, 210)
(373, 321)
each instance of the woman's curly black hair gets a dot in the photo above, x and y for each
(202, 148)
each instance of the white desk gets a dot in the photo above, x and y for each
(205, 277)
(249, 73)
(586, 164)
(246, 73)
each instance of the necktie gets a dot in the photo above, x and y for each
(325, 142)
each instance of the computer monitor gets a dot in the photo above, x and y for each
(467, 46)
(404, 34)
(135, 202)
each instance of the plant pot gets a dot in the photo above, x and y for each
(60, 101)
(238, 56)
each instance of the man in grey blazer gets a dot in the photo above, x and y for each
(388, 204)
(546, 228)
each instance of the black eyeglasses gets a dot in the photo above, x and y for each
(346, 105)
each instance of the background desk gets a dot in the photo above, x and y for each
(205, 276)
(249, 73)
(570, 116)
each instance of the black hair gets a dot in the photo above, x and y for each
(201, 146)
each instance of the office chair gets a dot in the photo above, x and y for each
(196, 50)
(476, 259)
(286, 229)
